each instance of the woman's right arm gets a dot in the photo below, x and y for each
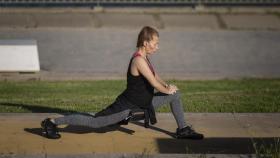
(144, 69)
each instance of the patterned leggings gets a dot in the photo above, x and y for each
(159, 99)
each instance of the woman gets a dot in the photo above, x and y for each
(139, 94)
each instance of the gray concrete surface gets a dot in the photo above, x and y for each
(86, 44)
(226, 134)
(193, 54)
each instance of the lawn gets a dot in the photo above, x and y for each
(246, 95)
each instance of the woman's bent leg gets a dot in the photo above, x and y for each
(92, 121)
(176, 105)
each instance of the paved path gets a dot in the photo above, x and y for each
(85, 44)
(225, 133)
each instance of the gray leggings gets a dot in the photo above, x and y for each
(159, 99)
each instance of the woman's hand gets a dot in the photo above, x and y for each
(175, 87)
(172, 89)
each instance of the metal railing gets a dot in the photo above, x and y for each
(136, 2)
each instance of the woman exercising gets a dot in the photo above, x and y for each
(139, 94)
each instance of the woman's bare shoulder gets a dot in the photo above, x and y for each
(138, 60)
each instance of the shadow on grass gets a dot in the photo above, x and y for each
(212, 145)
(38, 108)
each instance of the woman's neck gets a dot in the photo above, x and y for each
(142, 52)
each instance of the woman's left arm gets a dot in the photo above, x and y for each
(160, 80)
(163, 82)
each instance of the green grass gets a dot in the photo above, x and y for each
(264, 150)
(246, 95)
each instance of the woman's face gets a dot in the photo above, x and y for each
(152, 46)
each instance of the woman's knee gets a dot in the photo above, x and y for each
(176, 95)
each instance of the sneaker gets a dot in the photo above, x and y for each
(49, 129)
(188, 133)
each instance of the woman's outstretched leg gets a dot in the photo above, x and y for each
(92, 121)
(50, 125)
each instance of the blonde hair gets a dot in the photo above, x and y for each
(146, 34)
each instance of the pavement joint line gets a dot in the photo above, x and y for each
(96, 21)
(158, 20)
(33, 19)
(220, 21)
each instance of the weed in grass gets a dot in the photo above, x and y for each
(202, 156)
(144, 154)
(190, 152)
(267, 150)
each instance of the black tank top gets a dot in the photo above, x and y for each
(138, 90)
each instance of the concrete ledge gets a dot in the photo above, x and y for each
(132, 19)
(64, 20)
(16, 20)
(125, 20)
(193, 21)
(249, 21)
